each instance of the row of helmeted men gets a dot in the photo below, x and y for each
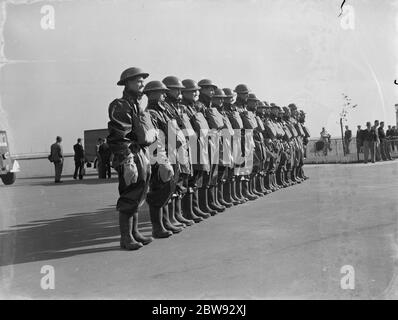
(196, 150)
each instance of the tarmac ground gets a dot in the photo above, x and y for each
(299, 242)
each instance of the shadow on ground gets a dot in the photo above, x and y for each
(68, 236)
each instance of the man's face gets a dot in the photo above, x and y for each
(252, 104)
(217, 101)
(135, 85)
(243, 96)
(157, 95)
(368, 126)
(207, 91)
(229, 100)
(382, 125)
(359, 127)
(376, 123)
(191, 96)
(174, 93)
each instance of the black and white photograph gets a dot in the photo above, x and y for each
(216, 151)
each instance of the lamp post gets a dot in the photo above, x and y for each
(396, 114)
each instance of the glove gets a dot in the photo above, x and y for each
(165, 171)
(130, 171)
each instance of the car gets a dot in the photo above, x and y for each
(8, 166)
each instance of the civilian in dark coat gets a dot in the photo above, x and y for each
(369, 142)
(347, 139)
(359, 141)
(105, 155)
(57, 158)
(79, 159)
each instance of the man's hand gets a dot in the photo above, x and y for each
(130, 171)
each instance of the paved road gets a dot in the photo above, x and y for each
(290, 244)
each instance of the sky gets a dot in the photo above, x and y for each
(60, 80)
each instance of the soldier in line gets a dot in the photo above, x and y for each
(131, 160)
(207, 198)
(242, 171)
(182, 169)
(258, 154)
(190, 202)
(230, 192)
(277, 147)
(163, 183)
(262, 116)
(223, 192)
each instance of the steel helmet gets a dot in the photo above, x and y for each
(190, 85)
(207, 83)
(286, 110)
(172, 82)
(241, 88)
(228, 92)
(219, 93)
(131, 73)
(292, 106)
(155, 86)
(252, 96)
(261, 104)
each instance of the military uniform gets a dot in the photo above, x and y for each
(161, 189)
(190, 202)
(207, 192)
(129, 154)
(182, 169)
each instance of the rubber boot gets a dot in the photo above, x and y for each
(245, 191)
(288, 177)
(251, 187)
(266, 185)
(187, 209)
(259, 184)
(273, 182)
(126, 228)
(254, 186)
(227, 193)
(267, 182)
(212, 201)
(178, 215)
(238, 190)
(158, 230)
(172, 218)
(204, 204)
(234, 198)
(220, 195)
(136, 234)
(295, 178)
(197, 204)
(166, 221)
(282, 177)
(217, 197)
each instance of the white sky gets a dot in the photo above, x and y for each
(61, 81)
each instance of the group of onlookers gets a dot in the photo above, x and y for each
(103, 153)
(374, 140)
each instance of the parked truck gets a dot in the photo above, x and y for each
(8, 166)
(91, 144)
